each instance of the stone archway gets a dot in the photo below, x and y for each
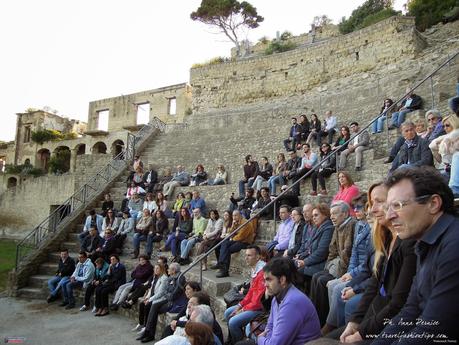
(12, 182)
(99, 148)
(80, 149)
(117, 147)
(60, 161)
(42, 160)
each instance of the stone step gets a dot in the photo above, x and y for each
(39, 280)
(48, 268)
(32, 293)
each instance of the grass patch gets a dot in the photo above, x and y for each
(7, 260)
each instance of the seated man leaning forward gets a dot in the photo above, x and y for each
(64, 271)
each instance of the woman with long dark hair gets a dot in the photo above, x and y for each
(327, 168)
(211, 235)
(314, 127)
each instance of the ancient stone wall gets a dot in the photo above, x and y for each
(23, 207)
(123, 109)
(298, 71)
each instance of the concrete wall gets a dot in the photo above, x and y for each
(23, 207)
(298, 71)
(123, 110)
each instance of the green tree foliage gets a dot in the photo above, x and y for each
(24, 169)
(231, 17)
(43, 135)
(281, 45)
(60, 162)
(375, 8)
(429, 12)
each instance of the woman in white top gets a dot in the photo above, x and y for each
(149, 204)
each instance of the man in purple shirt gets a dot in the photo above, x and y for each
(293, 319)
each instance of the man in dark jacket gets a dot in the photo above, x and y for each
(251, 169)
(415, 151)
(410, 103)
(292, 170)
(64, 271)
(150, 178)
(92, 242)
(294, 134)
(421, 206)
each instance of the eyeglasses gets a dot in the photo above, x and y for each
(398, 205)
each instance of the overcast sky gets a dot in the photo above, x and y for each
(64, 54)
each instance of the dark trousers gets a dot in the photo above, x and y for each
(294, 141)
(144, 310)
(88, 294)
(319, 294)
(136, 293)
(299, 174)
(152, 320)
(398, 144)
(227, 248)
(320, 175)
(329, 135)
(167, 332)
(102, 293)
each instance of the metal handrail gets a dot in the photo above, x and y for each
(315, 167)
(83, 196)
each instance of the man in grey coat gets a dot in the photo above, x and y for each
(358, 144)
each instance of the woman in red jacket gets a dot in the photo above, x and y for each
(240, 315)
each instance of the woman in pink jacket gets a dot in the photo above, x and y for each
(347, 189)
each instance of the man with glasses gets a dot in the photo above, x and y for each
(415, 151)
(421, 206)
(434, 119)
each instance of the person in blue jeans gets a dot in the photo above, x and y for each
(238, 316)
(410, 103)
(64, 271)
(81, 277)
(386, 110)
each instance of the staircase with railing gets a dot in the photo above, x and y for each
(34, 247)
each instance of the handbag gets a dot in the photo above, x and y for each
(233, 297)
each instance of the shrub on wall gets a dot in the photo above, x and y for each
(60, 162)
(43, 135)
(367, 9)
(277, 46)
(429, 12)
(23, 169)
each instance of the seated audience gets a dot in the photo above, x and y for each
(107, 248)
(172, 302)
(293, 166)
(385, 112)
(100, 273)
(178, 204)
(292, 319)
(150, 178)
(359, 252)
(328, 129)
(304, 128)
(393, 271)
(339, 255)
(92, 220)
(303, 229)
(315, 128)
(137, 178)
(250, 172)
(220, 177)
(358, 144)
(410, 103)
(165, 177)
(107, 204)
(434, 119)
(431, 220)
(308, 161)
(199, 176)
(421, 129)
(141, 231)
(238, 316)
(327, 168)
(263, 200)
(181, 231)
(264, 173)
(199, 226)
(244, 205)
(133, 189)
(293, 137)
(91, 243)
(157, 231)
(203, 315)
(162, 204)
(340, 143)
(110, 221)
(80, 278)
(155, 293)
(140, 275)
(414, 151)
(283, 233)
(126, 226)
(211, 235)
(347, 189)
(241, 240)
(278, 176)
(65, 269)
(150, 203)
(313, 252)
(180, 178)
(135, 206)
(227, 224)
(197, 202)
(294, 241)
